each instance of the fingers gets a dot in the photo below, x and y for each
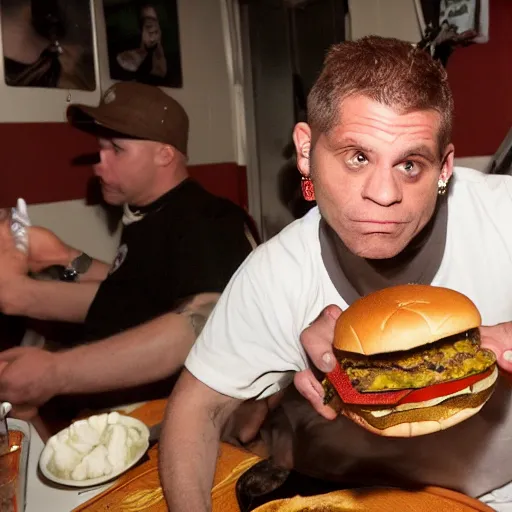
(24, 412)
(318, 337)
(505, 361)
(498, 338)
(9, 391)
(11, 236)
(5, 228)
(317, 342)
(503, 356)
(4, 214)
(11, 354)
(312, 390)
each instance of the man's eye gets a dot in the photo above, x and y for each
(358, 160)
(409, 167)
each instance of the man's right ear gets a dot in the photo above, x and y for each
(302, 141)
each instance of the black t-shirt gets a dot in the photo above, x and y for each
(188, 242)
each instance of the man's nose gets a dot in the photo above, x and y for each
(99, 165)
(383, 187)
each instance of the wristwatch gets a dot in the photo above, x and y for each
(80, 265)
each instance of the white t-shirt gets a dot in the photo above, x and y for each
(250, 346)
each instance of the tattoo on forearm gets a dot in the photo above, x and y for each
(197, 314)
(198, 321)
(214, 414)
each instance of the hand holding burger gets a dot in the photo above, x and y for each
(408, 361)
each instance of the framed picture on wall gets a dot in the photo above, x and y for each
(48, 43)
(143, 41)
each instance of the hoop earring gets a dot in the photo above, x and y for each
(442, 186)
(308, 190)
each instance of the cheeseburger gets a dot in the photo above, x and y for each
(336, 501)
(409, 361)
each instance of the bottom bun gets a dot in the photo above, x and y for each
(416, 428)
(421, 418)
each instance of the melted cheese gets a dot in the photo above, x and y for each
(479, 386)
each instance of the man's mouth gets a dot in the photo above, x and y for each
(106, 187)
(380, 222)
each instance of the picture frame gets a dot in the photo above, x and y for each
(143, 41)
(50, 58)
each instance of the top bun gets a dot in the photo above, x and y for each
(403, 317)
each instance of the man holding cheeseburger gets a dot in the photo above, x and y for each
(412, 362)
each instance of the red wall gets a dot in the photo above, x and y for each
(37, 162)
(43, 163)
(481, 79)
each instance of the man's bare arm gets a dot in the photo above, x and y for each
(147, 353)
(47, 300)
(144, 354)
(189, 444)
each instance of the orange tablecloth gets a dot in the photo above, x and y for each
(139, 489)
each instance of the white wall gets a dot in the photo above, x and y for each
(205, 94)
(480, 163)
(387, 18)
(79, 225)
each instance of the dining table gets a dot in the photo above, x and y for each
(139, 490)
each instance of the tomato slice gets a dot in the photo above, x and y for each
(341, 382)
(444, 388)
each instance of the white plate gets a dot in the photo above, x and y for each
(125, 420)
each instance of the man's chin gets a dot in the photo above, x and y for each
(112, 199)
(379, 254)
(379, 248)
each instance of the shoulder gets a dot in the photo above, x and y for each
(482, 202)
(472, 178)
(478, 187)
(208, 206)
(290, 253)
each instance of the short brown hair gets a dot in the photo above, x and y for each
(387, 70)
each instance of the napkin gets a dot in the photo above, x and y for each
(20, 221)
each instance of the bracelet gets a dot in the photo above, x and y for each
(80, 265)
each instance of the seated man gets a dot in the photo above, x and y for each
(377, 156)
(179, 247)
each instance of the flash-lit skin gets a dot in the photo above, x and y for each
(137, 172)
(375, 174)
